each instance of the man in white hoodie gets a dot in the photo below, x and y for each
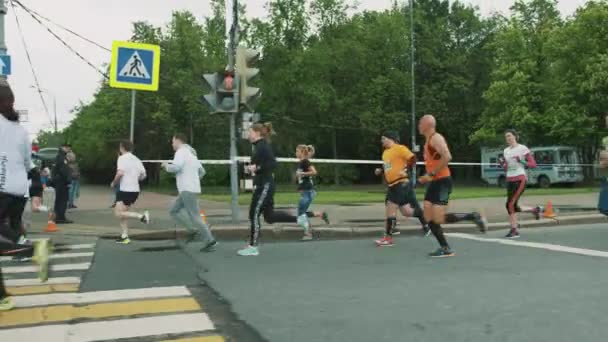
(188, 172)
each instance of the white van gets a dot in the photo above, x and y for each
(555, 165)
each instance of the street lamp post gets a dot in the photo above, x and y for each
(413, 91)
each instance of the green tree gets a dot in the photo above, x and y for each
(517, 95)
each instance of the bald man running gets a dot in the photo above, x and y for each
(437, 156)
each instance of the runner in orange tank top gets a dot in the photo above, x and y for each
(438, 178)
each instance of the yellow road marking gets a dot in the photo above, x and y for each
(199, 339)
(61, 313)
(30, 290)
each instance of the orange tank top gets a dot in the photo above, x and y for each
(431, 160)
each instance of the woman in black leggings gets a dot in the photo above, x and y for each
(262, 167)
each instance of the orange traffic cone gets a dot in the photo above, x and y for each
(203, 216)
(549, 212)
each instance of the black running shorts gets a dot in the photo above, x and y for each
(438, 191)
(127, 198)
(401, 194)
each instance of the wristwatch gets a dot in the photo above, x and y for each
(432, 174)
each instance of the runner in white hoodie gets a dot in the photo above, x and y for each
(189, 171)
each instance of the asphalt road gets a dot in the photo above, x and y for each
(547, 286)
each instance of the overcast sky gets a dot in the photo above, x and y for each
(69, 80)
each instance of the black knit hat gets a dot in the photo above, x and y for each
(393, 135)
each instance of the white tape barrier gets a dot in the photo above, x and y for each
(349, 161)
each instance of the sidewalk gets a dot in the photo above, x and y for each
(94, 217)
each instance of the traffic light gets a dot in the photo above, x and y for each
(224, 92)
(245, 57)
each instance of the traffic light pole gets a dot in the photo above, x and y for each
(132, 129)
(234, 181)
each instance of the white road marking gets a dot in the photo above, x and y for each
(71, 247)
(55, 256)
(36, 281)
(110, 330)
(61, 267)
(100, 296)
(546, 246)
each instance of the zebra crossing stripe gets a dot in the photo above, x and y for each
(101, 296)
(55, 256)
(61, 267)
(214, 338)
(36, 281)
(64, 313)
(41, 289)
(114, 329)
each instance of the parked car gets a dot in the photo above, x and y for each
(556, 165)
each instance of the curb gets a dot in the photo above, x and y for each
(337, 232)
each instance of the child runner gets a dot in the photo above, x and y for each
(129, 172)
(262, 167)
(400, 194)
(306, 187)
(516, 158)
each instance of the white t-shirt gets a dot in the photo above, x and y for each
(15, 158)
(513, 156)
(187, 170)
(133, 171)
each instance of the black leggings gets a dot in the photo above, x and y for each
(514, 191)
(262, 202)
(11, 211)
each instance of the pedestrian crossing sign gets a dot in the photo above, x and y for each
(135, 66)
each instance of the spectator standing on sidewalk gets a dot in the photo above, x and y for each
(75, 185)
(61, 181)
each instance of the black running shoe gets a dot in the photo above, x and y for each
(513, 234)
(442, 253)
(210, 247)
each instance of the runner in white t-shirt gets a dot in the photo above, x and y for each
(515, 160)
(129, 172)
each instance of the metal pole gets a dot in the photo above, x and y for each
(234, 186)
(132, 136)
(3, 10)
(55, 111)
(234, 180)
(413, 72)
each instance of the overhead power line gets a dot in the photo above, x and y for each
(68, 46)
(31, 11)
(27, 53)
